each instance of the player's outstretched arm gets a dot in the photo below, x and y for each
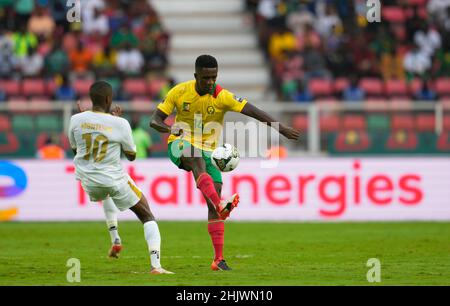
(254, 112)
(158, 123)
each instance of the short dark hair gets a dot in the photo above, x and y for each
(99, 91)
(205, 61)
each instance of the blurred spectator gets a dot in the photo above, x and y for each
(24, 41)
(57, 61)
(142, 140)
(314, 63)
(8, 60)
(105, 62)
(442, 62)
(303, 94)
(425, 93)
(416, 62)
(65, 92)
(80, 59)
(308, 37)
(325, 23)
(130, 61)
(96, 22)
(300, 19)
(51, 151)
(31, 65)
(281, 41)
(123, 37)
(391, 65)
(353, 93)
(41, 23)
(428, 40)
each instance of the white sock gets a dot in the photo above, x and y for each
(153, 238)
(110, 210)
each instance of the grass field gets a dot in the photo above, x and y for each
(259, 253)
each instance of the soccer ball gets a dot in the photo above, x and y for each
(225, 158)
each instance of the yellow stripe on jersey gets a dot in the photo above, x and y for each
(135, 189)
(202, 115)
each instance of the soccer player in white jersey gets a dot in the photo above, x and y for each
(98, 139)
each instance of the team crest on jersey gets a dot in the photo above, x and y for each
(239, 99)
(186, 106)
(211, 110)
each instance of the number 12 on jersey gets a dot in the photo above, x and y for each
(93, 147)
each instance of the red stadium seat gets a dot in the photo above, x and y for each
(5, 123)
(320, 87)
(354, 122)
(442, 86)
(329, 124)
(33, 87)
(82, 86)
(300, 122)
(135, 87)
(393, 14)
(340, 84)
(414, 86)
(402, 122)
(372, 86)
(10, 87)
(425, 123)
(51, 88)
(446, 125)
(396, 88)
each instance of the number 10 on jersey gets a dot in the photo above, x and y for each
(92, 148)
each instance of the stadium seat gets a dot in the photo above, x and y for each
(393, 14)
(378, 123)
(402, 122)
(51, 87)
(48, 123)
(396, 88)
(340, 84)
(10, 87)
(81, 86)
(414, 86)
(135, 87)
(300, 122)
(33, 87)
(320, 87)
(372, 86)
(22, 123)
(5, 123)
(329, 123)
(442, 86)
(425, 123)
(446, 125)
(354, 122)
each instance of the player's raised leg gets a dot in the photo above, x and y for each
(110, 210)
(152, 235)
(206, 185)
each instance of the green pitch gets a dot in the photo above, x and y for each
(259, 253)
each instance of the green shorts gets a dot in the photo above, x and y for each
(175, 150)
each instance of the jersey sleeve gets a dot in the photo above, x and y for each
(232, 102)
(168, 104)
(127, 143)
(71, 135)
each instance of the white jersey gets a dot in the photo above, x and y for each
(99, 139)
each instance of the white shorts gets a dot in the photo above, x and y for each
(124, 196)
